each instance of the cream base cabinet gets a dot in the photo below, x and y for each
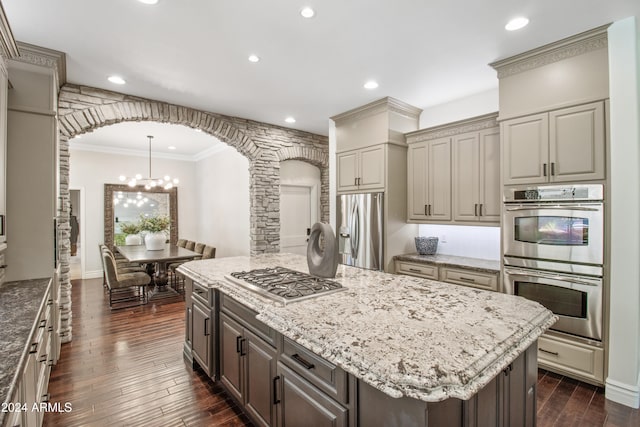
(429, 180)
(362, 169)
(476, 176)
(559, 146)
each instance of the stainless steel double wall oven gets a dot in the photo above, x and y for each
(554, 252)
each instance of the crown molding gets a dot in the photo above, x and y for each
(563, 49)
(49, 58)
(217, 148)
(380, 106)
(473, 124)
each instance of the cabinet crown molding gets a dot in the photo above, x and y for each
(553, 52)
(473, 124)
(387, 104)
(48, 58)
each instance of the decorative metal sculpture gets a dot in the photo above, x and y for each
(322, 261)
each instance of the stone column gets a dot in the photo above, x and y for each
(264, 191)
(64, 226)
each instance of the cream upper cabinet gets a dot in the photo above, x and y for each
(577, 143)
(476, 176)
(559, 146)
(429, 180)
(362, 169)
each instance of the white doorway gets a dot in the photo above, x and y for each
(299, 204)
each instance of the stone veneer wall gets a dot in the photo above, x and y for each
(82, 109)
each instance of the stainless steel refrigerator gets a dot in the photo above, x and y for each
(360, 230)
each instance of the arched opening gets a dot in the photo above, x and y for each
(82, 109)
(213, 192)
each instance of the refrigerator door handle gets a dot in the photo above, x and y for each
(355, 231)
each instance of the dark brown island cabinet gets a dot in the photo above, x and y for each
(278, 382)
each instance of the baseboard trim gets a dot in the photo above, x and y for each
(96, 274)
(625, 394)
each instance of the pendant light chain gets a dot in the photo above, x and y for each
(150, 182)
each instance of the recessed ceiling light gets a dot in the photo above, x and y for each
(516, 23)
(307, 12)
(371, 84)
(290, 120)
(254, 58)
(171, 147)
(148, 1)
(116, 80)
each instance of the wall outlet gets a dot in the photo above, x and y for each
(443, 238)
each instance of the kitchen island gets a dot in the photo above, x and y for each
(400, 339)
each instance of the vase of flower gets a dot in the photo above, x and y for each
(156, 228)
(131, 231)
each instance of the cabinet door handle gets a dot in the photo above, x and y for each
(302, 361)
(43, 358)
(34, 348)
(480, 209)
(429, 210)
(355, 181)
(553, 168)
(553, 353)
(507, 370)
(475, 210)
(544, 169)
(425, 210)
(243, 351)
(206, 324)
(275, 390)
(43, 323)
(238, 344)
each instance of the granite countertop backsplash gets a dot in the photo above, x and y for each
(403, 335)
(478, 264)
(20, 303)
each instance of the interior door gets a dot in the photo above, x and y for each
(297, 214)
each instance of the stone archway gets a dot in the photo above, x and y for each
(82, 109)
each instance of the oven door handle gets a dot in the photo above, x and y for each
(563, 208)
(549, 276)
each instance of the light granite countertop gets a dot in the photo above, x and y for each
(403, 335)
(20, 303)
(478, 264)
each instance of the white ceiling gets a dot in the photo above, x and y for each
(194, 53)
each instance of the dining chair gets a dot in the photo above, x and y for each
(182, 243)
(209, 252)
(122, 264)
(191, 245)
(124, 287)
(199, 247)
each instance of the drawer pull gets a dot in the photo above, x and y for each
(467, 279)
(43, 323)
(46, 397)
(275, 390)
(415, 269)
(553, 353)
(34, 348)
(43, 358)
(198, 291)
(302, 361)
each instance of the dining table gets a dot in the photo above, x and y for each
(157, 262)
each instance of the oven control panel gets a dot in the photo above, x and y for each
(552, 193)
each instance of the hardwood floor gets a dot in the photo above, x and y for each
(125, 368)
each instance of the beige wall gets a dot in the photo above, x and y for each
(222, 204)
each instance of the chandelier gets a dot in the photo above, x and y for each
(166, 182)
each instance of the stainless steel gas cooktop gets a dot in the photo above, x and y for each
(284, 285)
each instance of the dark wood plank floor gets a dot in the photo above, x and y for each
(125, 368)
